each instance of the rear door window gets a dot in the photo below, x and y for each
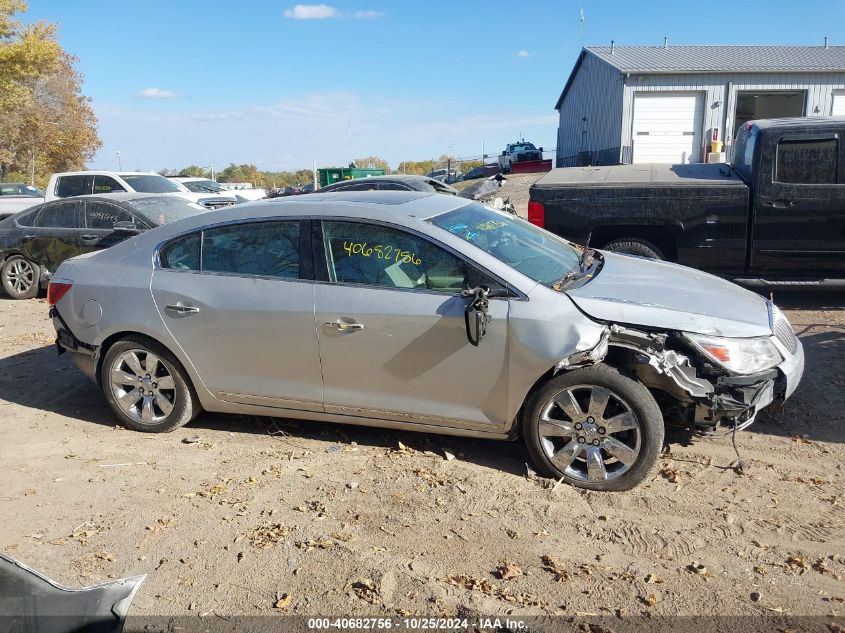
(807, 162)
(267, 249)
(63, 215)
(78, 185)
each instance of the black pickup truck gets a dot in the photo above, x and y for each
(775, 217)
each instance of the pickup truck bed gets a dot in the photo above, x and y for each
(696, 213)
(700, 174)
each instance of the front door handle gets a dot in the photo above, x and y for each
(182, 309)
(779, 204)
(343, 326)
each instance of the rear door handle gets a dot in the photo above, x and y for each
(179, 308)
(342, 326)
(88, 236)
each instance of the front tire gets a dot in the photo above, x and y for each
(635, 246)
(20, 277)
(595, 428)
(147, 387)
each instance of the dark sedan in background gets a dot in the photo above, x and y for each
(34, 242)
(396, 182)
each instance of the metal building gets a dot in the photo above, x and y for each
(638, 104)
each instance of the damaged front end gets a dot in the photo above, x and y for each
(688, 388)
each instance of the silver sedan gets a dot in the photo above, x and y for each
(422, 312)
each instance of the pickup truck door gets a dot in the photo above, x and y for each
(799, 208)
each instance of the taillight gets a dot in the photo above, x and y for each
(56, 290)
(537, 214)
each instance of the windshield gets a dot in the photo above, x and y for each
(523, 147)
(203, 186)
(535, 253)
(150, 183)
(165, 209)
(744, 151)
(18, 189)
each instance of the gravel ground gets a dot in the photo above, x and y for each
(348, 520)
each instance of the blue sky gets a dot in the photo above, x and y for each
(280, 85)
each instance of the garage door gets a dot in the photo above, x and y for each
(838, 103)
(667, 127)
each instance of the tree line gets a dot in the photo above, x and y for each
(46, 123)
(277, 179)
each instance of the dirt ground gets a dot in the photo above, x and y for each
(330, 519)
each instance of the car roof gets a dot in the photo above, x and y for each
(409, 208)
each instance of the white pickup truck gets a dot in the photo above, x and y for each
(16, 196)
(79, 183)
(517, 153)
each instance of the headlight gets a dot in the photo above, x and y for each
(738, 355)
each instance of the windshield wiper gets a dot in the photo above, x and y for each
(585, 263)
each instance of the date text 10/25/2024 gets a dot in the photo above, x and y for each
(416, 624)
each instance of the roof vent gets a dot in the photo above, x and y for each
(611, 46)
(825, 42)
(665, 41)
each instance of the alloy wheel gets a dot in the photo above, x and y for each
(20, 275)
(590, 433)
(142, 386)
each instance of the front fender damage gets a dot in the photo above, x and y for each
(692, 390)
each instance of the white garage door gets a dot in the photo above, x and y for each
(838, 103)
(667, 127)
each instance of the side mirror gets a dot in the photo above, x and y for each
(125, 227)
(541, 150)
(476, 314)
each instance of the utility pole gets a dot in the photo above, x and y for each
(119, 163)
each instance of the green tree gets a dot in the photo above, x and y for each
(194, 171)
(46, 124)
(372, 162)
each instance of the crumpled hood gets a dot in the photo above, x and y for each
(638, 291)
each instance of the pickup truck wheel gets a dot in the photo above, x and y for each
(595, 428)
(635, 246)
(20, 277)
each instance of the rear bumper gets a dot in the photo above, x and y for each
(84, 356)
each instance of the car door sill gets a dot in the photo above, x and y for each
(270, 401)
(408, 418)
(284, 407)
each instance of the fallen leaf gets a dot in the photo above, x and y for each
(650, 600)
(508, 570)
(268, 535)
(283, 601)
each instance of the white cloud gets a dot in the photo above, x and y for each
(312, 12)
(522, 54)
(156, 93)
(365, 15)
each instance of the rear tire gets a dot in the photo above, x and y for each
(595, 428)
(20, 277)
(147, 387)
(635, 246)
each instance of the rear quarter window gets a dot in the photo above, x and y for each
(182, 253)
